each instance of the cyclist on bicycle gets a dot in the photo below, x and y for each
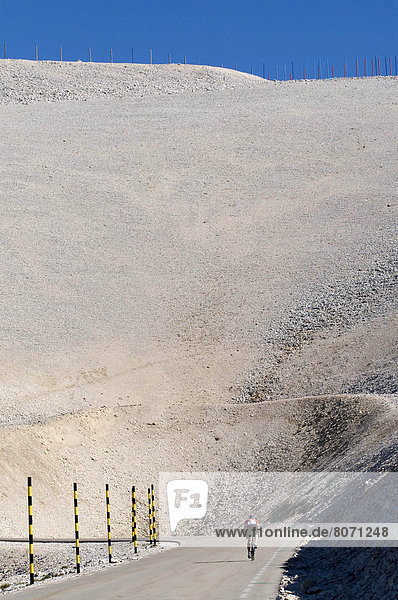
(252, 528)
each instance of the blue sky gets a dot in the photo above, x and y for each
(249, 32)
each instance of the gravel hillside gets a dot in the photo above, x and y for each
(188, 254)
(24, 81)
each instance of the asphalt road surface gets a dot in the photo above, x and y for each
(183, 573)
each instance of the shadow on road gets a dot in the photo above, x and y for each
(208, 562)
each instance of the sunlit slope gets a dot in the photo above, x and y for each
(177, 239)
(150, 245)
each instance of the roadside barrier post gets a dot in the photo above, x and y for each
(150, 517)
(153, 515)
(30, 519)
(134, 519)
(77, 545)
(108, 523)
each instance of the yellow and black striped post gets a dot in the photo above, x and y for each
(150, 516)
(30, 518)
(153, 515)
(108, 523)
(134, 519)
(76, 528)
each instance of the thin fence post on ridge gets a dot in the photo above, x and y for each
(60, 54)
(37, 53)
(89, 55)
(30, 522)
(150, 57)
(111, 56)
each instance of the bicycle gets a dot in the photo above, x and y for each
(251, 549)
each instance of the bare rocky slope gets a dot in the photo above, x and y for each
(189, 254)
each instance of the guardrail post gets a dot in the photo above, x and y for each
(30, 520)
(134, 519)
(150, 517)
(153, 515)
(108, 523)
(77, 543)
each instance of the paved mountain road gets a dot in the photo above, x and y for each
(183, 573)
